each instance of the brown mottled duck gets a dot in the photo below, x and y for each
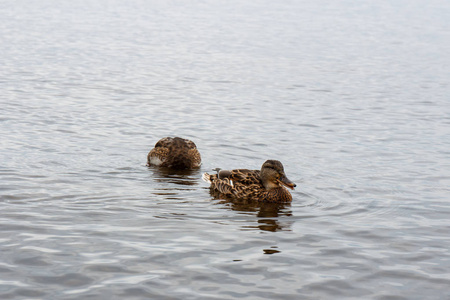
(175, 153)
(265, 185)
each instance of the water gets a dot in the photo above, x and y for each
(352, 97)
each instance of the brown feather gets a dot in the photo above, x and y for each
(244, 184)
(175, 153)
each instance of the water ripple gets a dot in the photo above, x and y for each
(353, 99)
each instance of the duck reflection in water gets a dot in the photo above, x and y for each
(268, 215)
(182, 177)
(172, 184)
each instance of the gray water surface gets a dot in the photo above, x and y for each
(353, 97)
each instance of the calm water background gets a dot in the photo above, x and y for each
(352, 96)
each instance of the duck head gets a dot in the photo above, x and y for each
(273, 176)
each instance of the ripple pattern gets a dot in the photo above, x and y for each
(351, 97)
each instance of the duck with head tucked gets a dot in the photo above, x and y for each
(175, 153)
(265, 185)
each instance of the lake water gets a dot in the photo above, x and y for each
(353, 97)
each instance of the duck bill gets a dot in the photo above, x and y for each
(286, 182)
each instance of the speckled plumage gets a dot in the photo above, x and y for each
(174, 153)
(265, 185)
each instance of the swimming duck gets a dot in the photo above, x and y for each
(175, 153)
(265, 185)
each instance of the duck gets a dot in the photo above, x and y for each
(266, 185)
(175, 153)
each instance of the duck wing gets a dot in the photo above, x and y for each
(236, 183)
(245, 177)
